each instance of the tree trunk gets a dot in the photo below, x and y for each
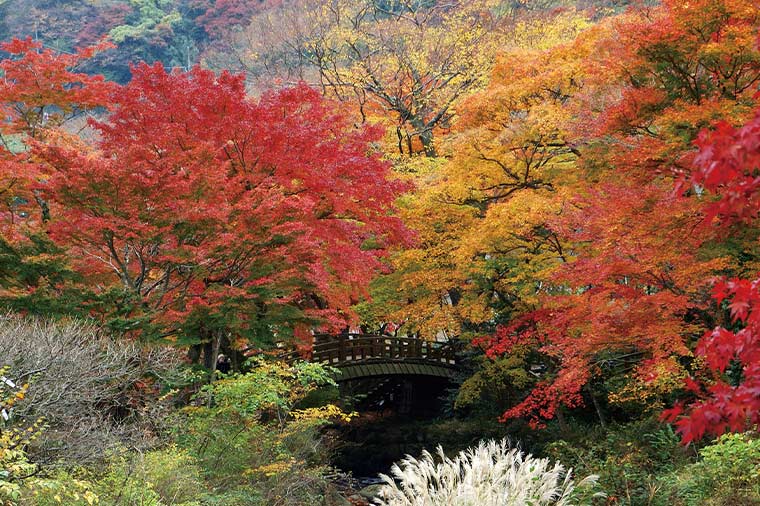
(598, 408)
(216, 342)
(564, 428)
(427, 143)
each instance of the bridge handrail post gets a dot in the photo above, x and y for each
(451, 353)
(342, 342)
(435, 352)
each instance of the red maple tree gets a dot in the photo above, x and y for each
(40, 93)
(222, 214)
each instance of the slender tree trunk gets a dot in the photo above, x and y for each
(44, 206)
(194, 353)
(425, 133)
(598, 408)
(216, 343)
(564, 428)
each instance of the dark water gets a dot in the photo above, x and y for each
(395, 420)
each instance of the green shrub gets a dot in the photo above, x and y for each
(727, 475)
(16, 469)
(733, 461)
(628, 459)
(166, 477)
(61, 488)
(253, 445)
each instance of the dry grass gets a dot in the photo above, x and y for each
(492, 474)
(85, 383)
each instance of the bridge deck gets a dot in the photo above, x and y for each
(364, 355)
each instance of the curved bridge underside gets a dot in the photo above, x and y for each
(372, 368)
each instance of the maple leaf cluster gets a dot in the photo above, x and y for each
(727, 164)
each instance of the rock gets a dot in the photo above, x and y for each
(370, 492)
(357, 500)
(333, 498)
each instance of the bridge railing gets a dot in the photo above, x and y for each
(341, 349)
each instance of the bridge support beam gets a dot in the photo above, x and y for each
(406, 402)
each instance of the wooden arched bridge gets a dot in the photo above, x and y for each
(368, 355)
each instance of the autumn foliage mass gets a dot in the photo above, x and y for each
(570, 190)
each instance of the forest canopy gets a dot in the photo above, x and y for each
(562, 195)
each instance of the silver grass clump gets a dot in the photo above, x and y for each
(492, 474)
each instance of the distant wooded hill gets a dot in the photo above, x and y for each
(218, 33)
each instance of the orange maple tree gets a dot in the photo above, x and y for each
(634, 292)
